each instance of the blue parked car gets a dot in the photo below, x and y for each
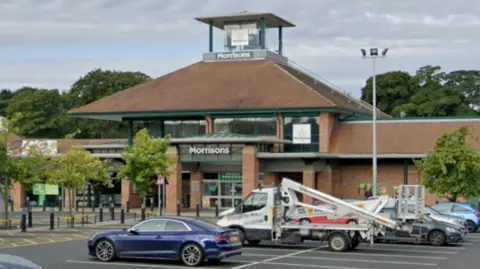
(191, 241)
(463, 210)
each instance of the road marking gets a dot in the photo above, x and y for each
(302, 265)
(14, 245)
(411, 250)
(380, 255)
(133, 264)
(1, 239)
(399, 246)
(30, 241)
(278, 257)
(51, 240)
(260, 249)
(364, 261)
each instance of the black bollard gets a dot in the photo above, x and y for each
(30, 217)
(160, 208)
(60, 203)
(44, 204)
(178, 207)
(93, 204)
(151, 205)
(52, 219)
(100, 214)
(112, 212)
(11, 205)
(122, 216)
(216, 209)
(23, 222)
(197, 209)
(143, 212)
(127, 206)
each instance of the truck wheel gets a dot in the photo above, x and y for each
(338, 242)
(253, 242)
(241, 234)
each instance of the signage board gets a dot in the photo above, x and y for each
(209, 150)
(239, 37)
(45, 189)
(302, 134)
(234, 55)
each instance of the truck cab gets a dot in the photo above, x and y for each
(251, 218)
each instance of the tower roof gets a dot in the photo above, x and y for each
(272, 20)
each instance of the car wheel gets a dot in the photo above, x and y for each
(191, 255)
(437, 238)
(105, 250)
(471, 226)
(253, 242)
(338, 242)
(305, 221)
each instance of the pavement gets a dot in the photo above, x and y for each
(69, 251)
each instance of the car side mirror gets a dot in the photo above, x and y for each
(132, 231)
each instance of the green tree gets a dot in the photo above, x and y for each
(145, 160)
(27, 169)
(43, 115)
(393, 89)
(428, 93)
(5, 96)
(95, 85)
(453, 168)
(77, 169)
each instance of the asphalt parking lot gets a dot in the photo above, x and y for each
(72, 254)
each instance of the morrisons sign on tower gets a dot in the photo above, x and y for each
(233, 55)
(195, 150)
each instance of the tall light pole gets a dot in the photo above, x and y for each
(374, 55)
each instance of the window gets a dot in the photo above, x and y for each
(151, 226)
(255, 201)
(442, 207)
(314, 133)
(457, 208)
(208, 226)
(175, 226)
(247, 126)
(186, 128)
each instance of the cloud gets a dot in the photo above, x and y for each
(49, 42)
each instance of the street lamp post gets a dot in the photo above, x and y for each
(374, 55)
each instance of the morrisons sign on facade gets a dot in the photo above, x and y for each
(195, 150)
(233, 55)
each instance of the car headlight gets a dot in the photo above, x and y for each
(452, 230)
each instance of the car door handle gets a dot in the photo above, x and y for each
(265, 217)
(158, 237)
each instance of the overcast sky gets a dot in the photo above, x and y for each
(51, 43)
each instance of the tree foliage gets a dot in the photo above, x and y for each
(145, 161)
(27, 169)
(452, 170)
(77, 169)
(428, 93)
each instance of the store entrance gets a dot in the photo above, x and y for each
(222, 188)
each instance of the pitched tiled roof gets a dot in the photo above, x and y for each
(395, 136)
(236, 85)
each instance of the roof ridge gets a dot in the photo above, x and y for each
(301, 82)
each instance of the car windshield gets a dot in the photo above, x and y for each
(208, 226)
(433, 210)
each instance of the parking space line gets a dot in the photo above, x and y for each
(30, 241)
(278, 257)
(412, 246)
(134, 264)
(411, 250)
(364, 261)
(303, 265)
(381, 255)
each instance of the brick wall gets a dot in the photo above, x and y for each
(250, 170)
(326, 124)
(174, 186)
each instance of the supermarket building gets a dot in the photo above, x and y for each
(247, 115)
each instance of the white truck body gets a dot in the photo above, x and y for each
(268, 214)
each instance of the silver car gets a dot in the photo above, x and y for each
(434, 214)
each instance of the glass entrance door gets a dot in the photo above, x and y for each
(226, 189)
